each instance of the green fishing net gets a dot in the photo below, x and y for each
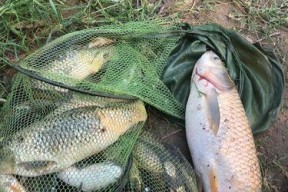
(121, 60)
(76, 109)
(43, 128)
(159, 166)
(255, 70)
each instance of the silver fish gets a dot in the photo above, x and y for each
(93, 177)
(62, 139)
(218, 132)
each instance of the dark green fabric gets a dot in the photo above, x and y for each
(255, 70)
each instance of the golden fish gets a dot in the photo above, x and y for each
(218, 132)
(61, 139)
(100, 42)
(77, 64)
(80, 63)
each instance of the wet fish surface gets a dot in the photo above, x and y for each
(160, 167)
(63, 138)
(218, 132)
(77, 64)
(82, 62)
(93, 177)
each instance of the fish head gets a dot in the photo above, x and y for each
(7, 161)
(210, 73)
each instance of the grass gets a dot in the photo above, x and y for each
(268, 164)
(271, 164)
(263, 15)
(26, 25)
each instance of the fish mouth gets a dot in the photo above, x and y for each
(203, 77)
(219, 79)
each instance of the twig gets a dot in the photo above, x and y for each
(276, 34)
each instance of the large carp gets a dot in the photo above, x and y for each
(67, 136)
(218, 132)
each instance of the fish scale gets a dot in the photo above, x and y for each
(236, 136)
(62, 139)
(218, 132)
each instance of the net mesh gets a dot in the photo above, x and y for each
(118, 60)
(159, 167)
(56, 140)
(58, 132)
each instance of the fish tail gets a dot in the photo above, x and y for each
(142, 111)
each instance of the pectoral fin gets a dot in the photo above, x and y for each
(199, 183)
(213, 111)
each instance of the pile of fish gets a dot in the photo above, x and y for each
(159, 166)
(74, 130)
(218, 132)
(69, 134)
(59, 140)
(69, 140)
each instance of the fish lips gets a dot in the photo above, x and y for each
(219, 78)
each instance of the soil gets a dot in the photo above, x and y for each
(272, 145)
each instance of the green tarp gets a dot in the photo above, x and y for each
(256, 71)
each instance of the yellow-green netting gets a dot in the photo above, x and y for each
(76, 109)
(123, 60)
(59, 140)
(68, 141)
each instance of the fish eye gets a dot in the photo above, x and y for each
(216, 58)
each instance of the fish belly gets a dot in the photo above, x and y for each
(93, 177)
(226, 160)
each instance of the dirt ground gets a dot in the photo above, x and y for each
(272, 145)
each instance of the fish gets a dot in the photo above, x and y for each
(135, 179)
(82, 100)
(76, 64)
(8, 183)
(218, 131)
(24, 114)
(60, 140)
(100, 42)
(93, 177)
(147, 159)
(79, 63)
(162, 167)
